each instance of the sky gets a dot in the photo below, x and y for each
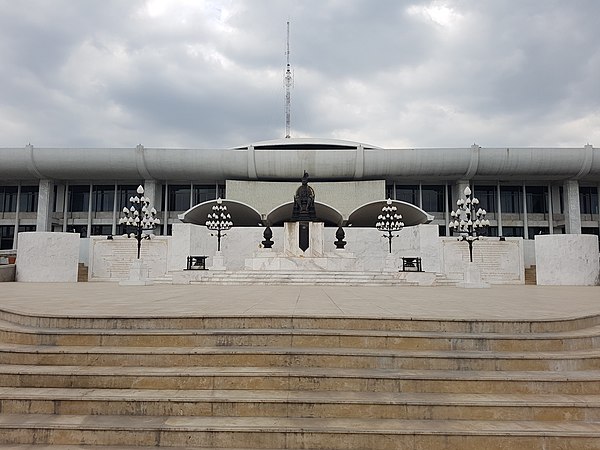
(210, 74)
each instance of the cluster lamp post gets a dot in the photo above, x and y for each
(389, 221)
(468, 220)
(140, 217)
(219, 220)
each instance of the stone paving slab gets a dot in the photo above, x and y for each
(438, 303)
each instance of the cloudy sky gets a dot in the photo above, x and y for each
(209, 73)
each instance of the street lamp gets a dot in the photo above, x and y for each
(389, 221)
(468, 220)
(219, 220)
(140, 217)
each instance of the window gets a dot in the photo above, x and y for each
(203, 193)
(512, 231)
(433, 198)
(534, 231)
(101, 230)
(511, 200)
(389, 191)
(179, 197)
(103, 198)
(588, 199)
(537, 199)
(124, 193)
(29, 198)
(79, 198)
(408, 193)
(8, 199)
(487, 197)
(7, 234)
(81, 229)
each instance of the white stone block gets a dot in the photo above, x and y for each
(499, 262)
(567, 259)
(47, 257)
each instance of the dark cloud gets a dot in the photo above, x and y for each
(392, 73)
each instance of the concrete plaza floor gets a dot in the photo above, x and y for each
(163, 300)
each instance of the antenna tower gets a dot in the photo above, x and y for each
(288, 81)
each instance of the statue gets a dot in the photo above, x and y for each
(304, 202)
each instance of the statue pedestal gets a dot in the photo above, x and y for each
(293, 258)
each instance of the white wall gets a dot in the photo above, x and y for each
(567, 259)
(47, 257)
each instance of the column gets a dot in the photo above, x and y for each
(44, 210)
(572, 209)
(499, 209)
(89, 218)
(458, 191)
(151, 190)
(17, 212)
(525, 221)
(116, 213)
(550, 208)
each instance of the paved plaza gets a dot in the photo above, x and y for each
(162, 300)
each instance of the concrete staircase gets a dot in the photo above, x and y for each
(82, 273)
(305, 278)
(530, 275)
(298, 382)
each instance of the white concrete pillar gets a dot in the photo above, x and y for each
(44, 210)
(499, 209)
(572, 209)
(550, 209)
(458, 191)
(525, 221)
(151, 191)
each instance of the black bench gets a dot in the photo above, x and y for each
(411, 264)
(196, 263)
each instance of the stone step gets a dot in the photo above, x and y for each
(391, 340)
(281, 432)
(297, 357)
(111, 322)
(302, 379)
(266, 403)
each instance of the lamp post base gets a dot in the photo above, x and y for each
(218, 262)
(472, 278)
(138, 275)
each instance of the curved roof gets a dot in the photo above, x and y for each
(242, 215)
(366, 215)
(284, 159)
(306, 143)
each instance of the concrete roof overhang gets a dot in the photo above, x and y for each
(366, 215)
(324, 212)
(242, 215)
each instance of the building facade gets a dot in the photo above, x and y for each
(526, 191)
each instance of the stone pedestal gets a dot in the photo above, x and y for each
(138, 275)
(218, 262)
(291, 239)
(472, 277)
(293, 258)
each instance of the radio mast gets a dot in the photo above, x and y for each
(289, 82)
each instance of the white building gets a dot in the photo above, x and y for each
(526, 191)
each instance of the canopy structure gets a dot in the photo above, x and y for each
(366, 215)
(242, 215)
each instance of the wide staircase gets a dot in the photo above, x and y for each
(298, 383)
(305, 278)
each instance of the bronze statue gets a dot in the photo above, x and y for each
(304, 202)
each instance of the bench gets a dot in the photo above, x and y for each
(411, 264)
(196, 263)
